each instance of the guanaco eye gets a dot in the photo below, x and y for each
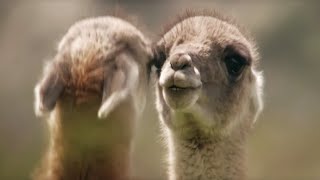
(235, 65)
(236, 58)
(159, 58)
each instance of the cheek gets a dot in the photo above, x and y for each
(212, 73)
(239, 94)
(222, 95)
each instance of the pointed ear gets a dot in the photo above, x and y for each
(120, 79)
(47, 92)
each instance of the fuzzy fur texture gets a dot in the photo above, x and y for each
(205, 112)
(91, 93)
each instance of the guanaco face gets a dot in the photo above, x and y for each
(207, 69)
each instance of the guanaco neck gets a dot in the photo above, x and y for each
(85, 147)
(194, 154)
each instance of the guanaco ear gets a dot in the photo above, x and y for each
(120, 79)
(47, 92)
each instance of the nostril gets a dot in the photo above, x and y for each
(180, 62)
(184, 66)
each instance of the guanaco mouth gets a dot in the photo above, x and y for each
(177, 88)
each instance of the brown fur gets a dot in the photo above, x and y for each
(159, 49)
(98, 60)
(205, 121)
(204, 12)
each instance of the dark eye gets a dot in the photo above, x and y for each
(235, 65)
(159, 58)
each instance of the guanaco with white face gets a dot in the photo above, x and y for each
(91, 93)
(209, 93)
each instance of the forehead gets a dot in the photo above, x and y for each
(204, 30)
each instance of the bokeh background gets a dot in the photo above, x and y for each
(285, 144)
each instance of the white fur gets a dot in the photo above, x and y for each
(117, 97)
(258, 90)
(39, 109)
(113, 101)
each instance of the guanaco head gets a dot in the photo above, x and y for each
(208, 68)
(102, 59)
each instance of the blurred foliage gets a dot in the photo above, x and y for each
(285, 141)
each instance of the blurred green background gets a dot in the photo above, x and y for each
(285, 143)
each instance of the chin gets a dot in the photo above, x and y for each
(180, 99)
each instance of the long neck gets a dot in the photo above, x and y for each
(203, 156)
(84, 147)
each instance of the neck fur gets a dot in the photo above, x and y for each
(85, 147)
(198, 153)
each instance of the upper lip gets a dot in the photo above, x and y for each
(178, 85)
(176, 79)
